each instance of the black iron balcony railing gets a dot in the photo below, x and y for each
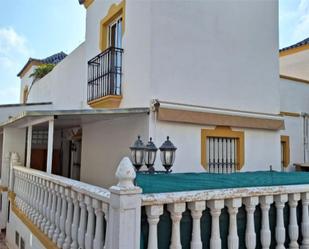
(105, 74)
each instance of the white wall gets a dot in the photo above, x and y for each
(295, 65)
(66, 85)
(262, 148)
(212, 53)
(294, 96)
(15, 224)
(105, 143)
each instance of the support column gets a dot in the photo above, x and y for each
(125, 210)
(29, 143)
(50, 146)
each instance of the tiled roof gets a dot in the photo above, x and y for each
(53, 59)
(298, 44)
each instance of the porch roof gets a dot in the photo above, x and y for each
(69, 118)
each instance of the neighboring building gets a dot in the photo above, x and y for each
(294, 90)
(191, 70)
(26, 72)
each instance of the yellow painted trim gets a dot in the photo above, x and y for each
(3, 189)
(285, 140)
(223, 131)
(114, 12)
(294, 79)
(294, 50)
(290, 114)
(87, 3)
(28, 67)
(110, 101)
(33, 228)
(25, 94)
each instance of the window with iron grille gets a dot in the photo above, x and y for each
(222, 150)
(39, 136)
(222, 154)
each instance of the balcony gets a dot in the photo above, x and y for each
(105, 79)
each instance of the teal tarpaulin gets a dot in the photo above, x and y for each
(175, 182)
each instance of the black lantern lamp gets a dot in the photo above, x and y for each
(137, 153)
(168, 152)
(150, 155)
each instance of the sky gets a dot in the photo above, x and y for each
(39, 28)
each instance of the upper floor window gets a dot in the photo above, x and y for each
(285, 151)
(115, 33)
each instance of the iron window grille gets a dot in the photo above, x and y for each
(222, 154)
(105, 74)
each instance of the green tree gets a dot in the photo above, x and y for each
(41, 71)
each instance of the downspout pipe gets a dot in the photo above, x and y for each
(305, 116)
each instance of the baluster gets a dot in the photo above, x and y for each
(215, 211)
(105, 207)
(280, 200)
(40, 218)
(52, 210)
(74, 244)
(233, 206)
(90, 223)
(196, 208)
(34, 214)
(293, 226)
(44, 206)
(48, 208)
(265, 201)
(250, 203)
(176, 210)
(305, 221)
(57, 214)
(82, 222)
(30, 196)
(153, 216)
(62, 217)
(98, 237)
(69, 218)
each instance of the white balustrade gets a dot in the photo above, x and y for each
(77, 215)
(71, 214)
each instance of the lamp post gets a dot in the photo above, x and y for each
(150, 153)
(167, 154)
(137, 153)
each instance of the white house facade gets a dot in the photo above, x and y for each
(205, 73)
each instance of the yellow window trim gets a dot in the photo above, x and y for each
(285, 140)
(109, 101)
(114, 12)
(227, 132)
